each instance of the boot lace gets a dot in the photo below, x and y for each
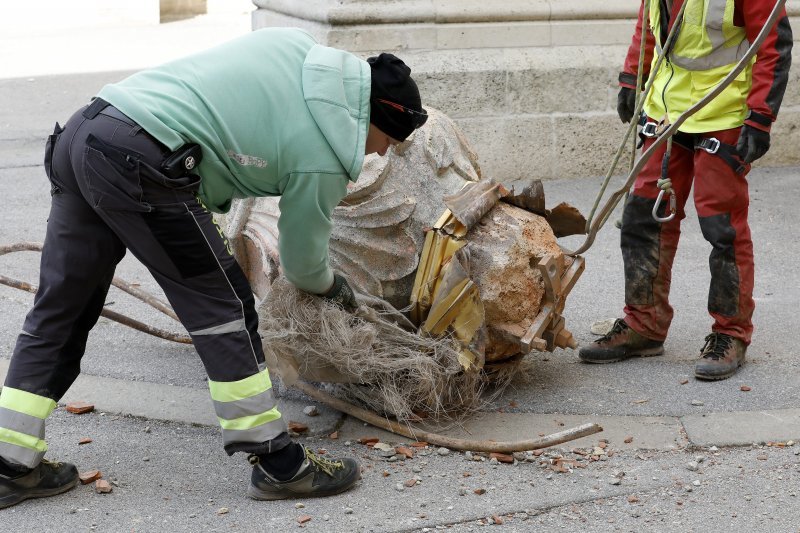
(716, 345)
(326, 465)
(618, 327)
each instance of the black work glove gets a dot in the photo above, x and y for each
(626, 104)
(752, 144)
(341, 294)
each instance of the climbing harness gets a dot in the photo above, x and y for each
(593, 225)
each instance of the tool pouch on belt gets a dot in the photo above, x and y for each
(182, 161)
(48, 158)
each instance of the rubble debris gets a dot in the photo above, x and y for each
(311, 410)
(84, 440)
(502, 457)
(89, 476)
(407, 452)
(79, 408)
(101, 486)
(297, 427)
(302, 519)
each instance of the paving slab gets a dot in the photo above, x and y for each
(183, 405)
(743, 428)
(644, 433)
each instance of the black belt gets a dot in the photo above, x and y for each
(113, 112)
(99, 105)
(176, 164)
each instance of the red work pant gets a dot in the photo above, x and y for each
(648, 247)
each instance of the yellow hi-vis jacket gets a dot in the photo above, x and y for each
(707, 48)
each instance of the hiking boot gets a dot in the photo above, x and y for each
(317, 476)
(620, 343)
(47, 479)
(720, 358)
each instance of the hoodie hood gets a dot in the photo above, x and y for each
(336, 88)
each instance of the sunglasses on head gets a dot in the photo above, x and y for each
(417, 118)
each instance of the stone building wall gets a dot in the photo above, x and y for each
(532, 83)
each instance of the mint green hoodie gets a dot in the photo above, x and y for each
(276, 114)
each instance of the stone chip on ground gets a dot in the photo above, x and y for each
(79, 408)
(90, 476)
(502, 457)
(101, 486)
(297, 427)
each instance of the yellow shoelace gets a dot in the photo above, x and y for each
(326, 465)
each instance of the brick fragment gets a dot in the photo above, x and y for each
(408, 452)
(502, 457)
(90, 476)
(79, 408)
(297, 427)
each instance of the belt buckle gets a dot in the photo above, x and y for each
(650, 129)
(715, 144)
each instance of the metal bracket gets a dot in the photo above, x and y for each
(547, 331)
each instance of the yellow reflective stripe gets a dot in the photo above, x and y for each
(20, 439)
(230, 391)
(250, 422)
(26, 402)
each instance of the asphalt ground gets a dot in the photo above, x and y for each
(153, 435)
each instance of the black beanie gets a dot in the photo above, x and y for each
(392, 83)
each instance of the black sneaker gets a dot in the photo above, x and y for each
(720, 358)
(47, 479)
(317, 476)
(622, 342)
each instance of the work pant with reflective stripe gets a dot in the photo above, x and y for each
(648, 247)
(108, 196)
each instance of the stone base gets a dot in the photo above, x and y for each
(532, 84)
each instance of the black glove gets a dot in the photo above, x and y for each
(626, 104)
(753, 143)
(341, 294)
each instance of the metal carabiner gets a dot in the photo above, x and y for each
(673, 207)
